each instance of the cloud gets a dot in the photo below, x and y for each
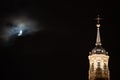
(19, 26)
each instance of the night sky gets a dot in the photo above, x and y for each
(60, 50)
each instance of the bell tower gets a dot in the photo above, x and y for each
(98, 59)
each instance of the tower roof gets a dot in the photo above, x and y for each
(98, 49)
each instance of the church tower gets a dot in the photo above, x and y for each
(98, 59)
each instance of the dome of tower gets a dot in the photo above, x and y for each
(99, 50)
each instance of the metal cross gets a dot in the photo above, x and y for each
(98, 19)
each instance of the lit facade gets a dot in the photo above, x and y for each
(98, 60)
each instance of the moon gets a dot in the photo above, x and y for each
(20, 33)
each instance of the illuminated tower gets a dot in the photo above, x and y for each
(98, 59)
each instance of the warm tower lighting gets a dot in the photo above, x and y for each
(98, 59)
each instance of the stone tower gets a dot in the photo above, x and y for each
(98, 59)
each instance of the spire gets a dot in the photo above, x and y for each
(98, 40)
(98, 48)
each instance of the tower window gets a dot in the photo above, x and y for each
(104, 66)
(99, 64)
(92, 66)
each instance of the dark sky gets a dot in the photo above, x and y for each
(61, 50)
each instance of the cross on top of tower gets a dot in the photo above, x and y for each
(98, 21)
